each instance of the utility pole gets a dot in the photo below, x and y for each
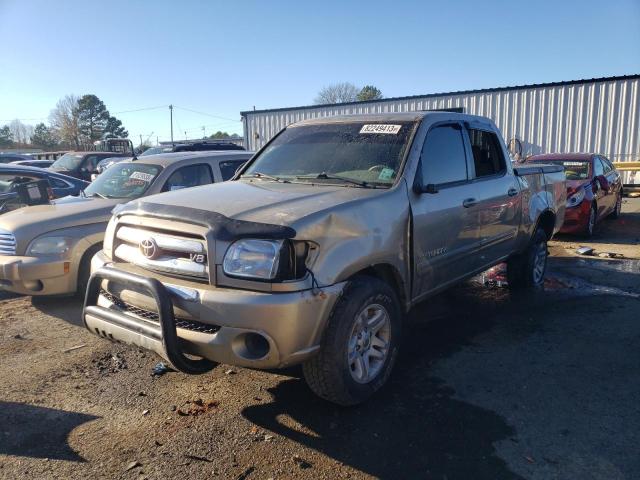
(171, 114)
(204, 135)
(185, 135)
(141, 140)
(157, 140)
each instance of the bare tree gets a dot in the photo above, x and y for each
(337, 93)
(21, 133)
(64, 121)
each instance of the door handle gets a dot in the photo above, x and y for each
(469, 202)
(512, 192)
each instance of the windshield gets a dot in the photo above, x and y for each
(69, 161)
(573, 169)
(123, 180)
(360, 152)
(155, 151)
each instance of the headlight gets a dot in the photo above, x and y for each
(49, 246)
(251, 258)
(575, 199)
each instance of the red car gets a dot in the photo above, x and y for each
(594, 189)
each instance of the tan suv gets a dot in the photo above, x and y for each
(46, 249)
(317, 248)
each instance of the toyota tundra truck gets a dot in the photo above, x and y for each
(320, 244)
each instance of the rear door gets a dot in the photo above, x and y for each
(614, 183)
(496, 193)
(444, 230)
(600, 192)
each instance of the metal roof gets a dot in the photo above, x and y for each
(459, 92)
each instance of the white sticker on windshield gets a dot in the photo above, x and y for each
(574, 164)
(145, 177)
(381, 128)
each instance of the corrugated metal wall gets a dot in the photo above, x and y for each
(592, 116)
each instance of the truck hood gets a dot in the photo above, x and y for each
(261, 201)
(29, 222)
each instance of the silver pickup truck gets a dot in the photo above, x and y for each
(320, 245)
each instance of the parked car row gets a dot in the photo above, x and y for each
(315, 249)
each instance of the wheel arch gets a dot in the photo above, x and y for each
(391, 276)
(547, 221)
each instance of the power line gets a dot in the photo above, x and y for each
(140, 109)
(207, 114)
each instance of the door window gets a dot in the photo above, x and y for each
(229, 168)
(443, 158)
(189, 176)
(607, 165)
(487, 154)
(598, 168)
(9, 180)
(91, 162)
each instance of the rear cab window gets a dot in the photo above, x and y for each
(488, 157)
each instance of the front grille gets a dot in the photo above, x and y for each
(7, 243)
(171, 253)
(154, 317)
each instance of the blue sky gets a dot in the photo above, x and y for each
(219, 58)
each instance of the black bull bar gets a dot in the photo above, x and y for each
(165, 332)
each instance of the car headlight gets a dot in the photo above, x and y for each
(50, 246)
(575, 199)
(251, 258)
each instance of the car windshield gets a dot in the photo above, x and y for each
(123, 180)
(69, 161)
(155, 151)
(354, 153)
(573, 169)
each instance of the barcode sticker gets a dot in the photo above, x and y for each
(381, 128)
(146, 177)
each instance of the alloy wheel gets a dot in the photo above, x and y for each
(369, 342)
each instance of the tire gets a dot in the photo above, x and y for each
(527, 270)
(616, 210)
(338, 373)
(84, 270)
(591, 221)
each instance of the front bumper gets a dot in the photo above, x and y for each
(36, 275)
(576, 218)
(236, 327)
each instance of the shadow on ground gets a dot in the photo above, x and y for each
(414, 427)
(39, 432)
(68, 309)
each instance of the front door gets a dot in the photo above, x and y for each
(444, 223)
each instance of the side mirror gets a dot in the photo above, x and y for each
(602, 182)
(428, 188)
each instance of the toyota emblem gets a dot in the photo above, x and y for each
(149, 248)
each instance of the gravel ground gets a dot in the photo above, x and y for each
(489, 385)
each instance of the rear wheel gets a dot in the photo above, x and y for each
(528, 268)
(618, 208)
(360, 344)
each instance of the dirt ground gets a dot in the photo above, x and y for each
(541, 385)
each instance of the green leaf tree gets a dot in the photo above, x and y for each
(219, 135)
(369, 92)
(6, 137)
(115, 129)
(92, 118)
(43, 137)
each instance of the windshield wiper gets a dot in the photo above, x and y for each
(96, 194)
(325, 176)
(268, 177)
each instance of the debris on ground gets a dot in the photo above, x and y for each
(301, 462)
(584, 250)
(77, 347)
(230, 372)
(610, 255)
(246, 473)
(159, 369)
(197, 457)
(193, 408)
(145, 412)
(111, 363)
(268, 438)
(133, 465)
(17, 336)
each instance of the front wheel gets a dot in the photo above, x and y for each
(360, 343)
(618, 208)
(528, 268)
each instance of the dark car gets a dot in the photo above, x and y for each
(34, 163)
(81, 164)
(594, 189)
(13, 157)
(61, 185)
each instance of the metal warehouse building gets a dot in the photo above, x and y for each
(597, 115)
